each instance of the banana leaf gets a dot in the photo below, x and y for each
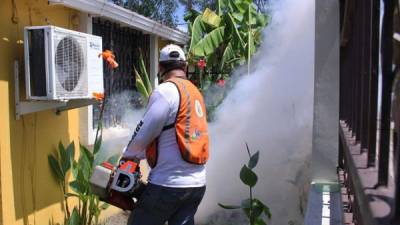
(235, 6)
(232, 26)
(209, 43)
(211, 18)
(198, 30)
(191, 15)
(228, 54)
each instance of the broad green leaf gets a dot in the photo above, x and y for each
(211, 60)
(55, 168)
(266, 210)
(77, 187)
(242, 6)
(86, 153)
(209, 43)
(247, 176)
(228, 206)
(235, 6)
(262, 20)
(198, 29)
(211, 18)
(75, 169)
(227, 55)
(64, 159)
(254, 160)
(257, 207)
(85, 168)
(232, 27)
(237, 16)
(74, 219)
(257, 37)
(71, 152)
(86, 162)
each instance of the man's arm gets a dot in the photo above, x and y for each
(149, 127)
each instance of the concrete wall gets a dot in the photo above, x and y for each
(326, 91)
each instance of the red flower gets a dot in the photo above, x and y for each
(221, 83)
(109, 57)
(201, 63)
(98, 96)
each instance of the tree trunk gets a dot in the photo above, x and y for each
(189, 5)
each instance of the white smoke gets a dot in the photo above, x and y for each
(271, 110)
(117, 136)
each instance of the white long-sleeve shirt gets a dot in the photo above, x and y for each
(171, 170)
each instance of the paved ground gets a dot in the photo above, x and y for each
(118, 219)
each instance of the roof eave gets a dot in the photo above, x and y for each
(119, 14)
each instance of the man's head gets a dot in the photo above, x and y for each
(172, 61)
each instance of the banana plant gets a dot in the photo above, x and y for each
(227, 37)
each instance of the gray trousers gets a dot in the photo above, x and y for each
(158, 205)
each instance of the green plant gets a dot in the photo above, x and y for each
(227, 37)
(89, 205)
(220, 41)
(142, 79)
(252, 207)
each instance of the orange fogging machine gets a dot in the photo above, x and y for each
(119, 186)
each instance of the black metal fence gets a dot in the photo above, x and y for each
(119, 84)
(360, 106)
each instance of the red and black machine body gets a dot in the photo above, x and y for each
(119, 186)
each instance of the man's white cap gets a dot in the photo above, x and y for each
(172, 53)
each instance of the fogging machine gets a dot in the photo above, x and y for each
(119, 186)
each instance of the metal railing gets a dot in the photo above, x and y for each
(125, 43)
(371, 190)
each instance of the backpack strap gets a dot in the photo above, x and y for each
(167, 127)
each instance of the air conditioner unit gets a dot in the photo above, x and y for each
(61, 64)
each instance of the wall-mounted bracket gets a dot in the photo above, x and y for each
(77, 103)
(26, 107)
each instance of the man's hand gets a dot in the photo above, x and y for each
(127, 156)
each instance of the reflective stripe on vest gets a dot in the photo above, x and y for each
(190, 126)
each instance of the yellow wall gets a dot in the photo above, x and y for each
(29, 194)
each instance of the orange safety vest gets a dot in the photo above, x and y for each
(190, 126)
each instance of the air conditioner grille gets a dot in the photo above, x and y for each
(70, 65)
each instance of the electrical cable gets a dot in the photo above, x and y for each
(14, 17)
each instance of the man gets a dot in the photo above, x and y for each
(173, 137)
